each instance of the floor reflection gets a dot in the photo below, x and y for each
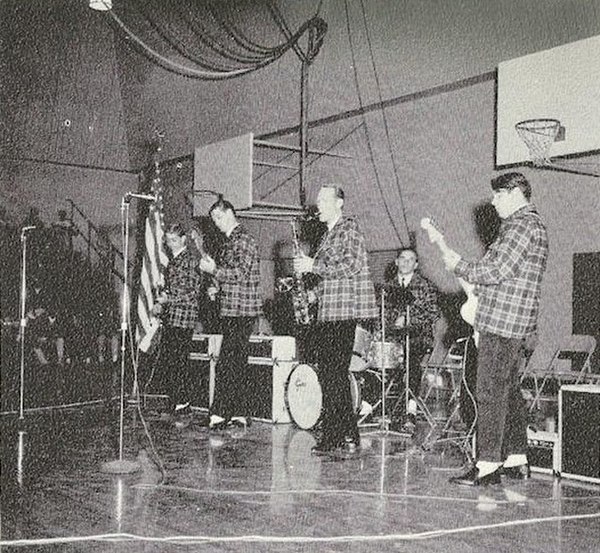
(221, 488)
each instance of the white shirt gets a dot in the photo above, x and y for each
(404, 280)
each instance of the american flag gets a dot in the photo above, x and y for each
(153, 266)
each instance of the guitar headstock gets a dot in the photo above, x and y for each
(434, 233)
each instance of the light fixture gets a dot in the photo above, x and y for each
(101, 5)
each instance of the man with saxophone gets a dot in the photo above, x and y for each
(345, 295)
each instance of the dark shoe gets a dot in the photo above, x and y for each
(323, 448)
(350, 446)
(520, 472)
(471, 478)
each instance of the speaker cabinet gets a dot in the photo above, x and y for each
(579, 432)
(270, 361)
(543, 451)
(203, 355)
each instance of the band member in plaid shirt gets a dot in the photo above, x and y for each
(177, 306)
(409, 288)
(508, 285)
(237, 272)
(345, 294)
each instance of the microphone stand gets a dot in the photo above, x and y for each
(23, 321)
(384, 425)
(120, 465)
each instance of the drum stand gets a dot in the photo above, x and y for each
(384, 424)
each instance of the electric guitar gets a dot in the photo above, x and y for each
(469, 308)
(213, 288)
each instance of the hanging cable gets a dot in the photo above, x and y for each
(175, 43)
(234, 32)
(313, 26)
(385, 122)
(369, 145)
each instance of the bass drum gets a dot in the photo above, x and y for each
(304, 398)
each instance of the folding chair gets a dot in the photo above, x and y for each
(569, 364)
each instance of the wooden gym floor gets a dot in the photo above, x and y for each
(261, 490)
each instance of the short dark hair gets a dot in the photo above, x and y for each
(509, 181)
(222, 205)
(175, 228)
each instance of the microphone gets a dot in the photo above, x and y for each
(148, 197)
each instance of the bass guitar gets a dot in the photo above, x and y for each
(469, 308)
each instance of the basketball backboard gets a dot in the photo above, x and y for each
(561, 83)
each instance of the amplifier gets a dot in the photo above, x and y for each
(543, 452)
(579, 431)
(204, 354)
(270, 359)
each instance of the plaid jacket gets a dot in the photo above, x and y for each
(346, 290)
(424, 310)
(182, 286)
(509, 276)
(238, 275)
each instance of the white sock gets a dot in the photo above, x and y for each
(486, 467)
(412, 407)
(515, 460)
(215, 419)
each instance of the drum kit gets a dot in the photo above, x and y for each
(371, 358)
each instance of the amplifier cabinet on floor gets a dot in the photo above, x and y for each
(204, 354)
(543, 451)
(270, 360)
(579, 431)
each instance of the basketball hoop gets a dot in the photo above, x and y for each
(538, 135)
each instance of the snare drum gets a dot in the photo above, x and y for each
(304, 397)
(385, 355)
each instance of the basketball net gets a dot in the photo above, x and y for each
(538, 135)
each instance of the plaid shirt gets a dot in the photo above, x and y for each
(346, 290)
(182, 286)
(509, 276)
(424, 310)
(238, 275)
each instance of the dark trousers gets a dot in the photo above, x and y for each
(174, 359)
(333, 354)
(231, 373)
(501, 412)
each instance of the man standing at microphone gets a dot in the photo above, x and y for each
(177, 306)
(346, 295)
